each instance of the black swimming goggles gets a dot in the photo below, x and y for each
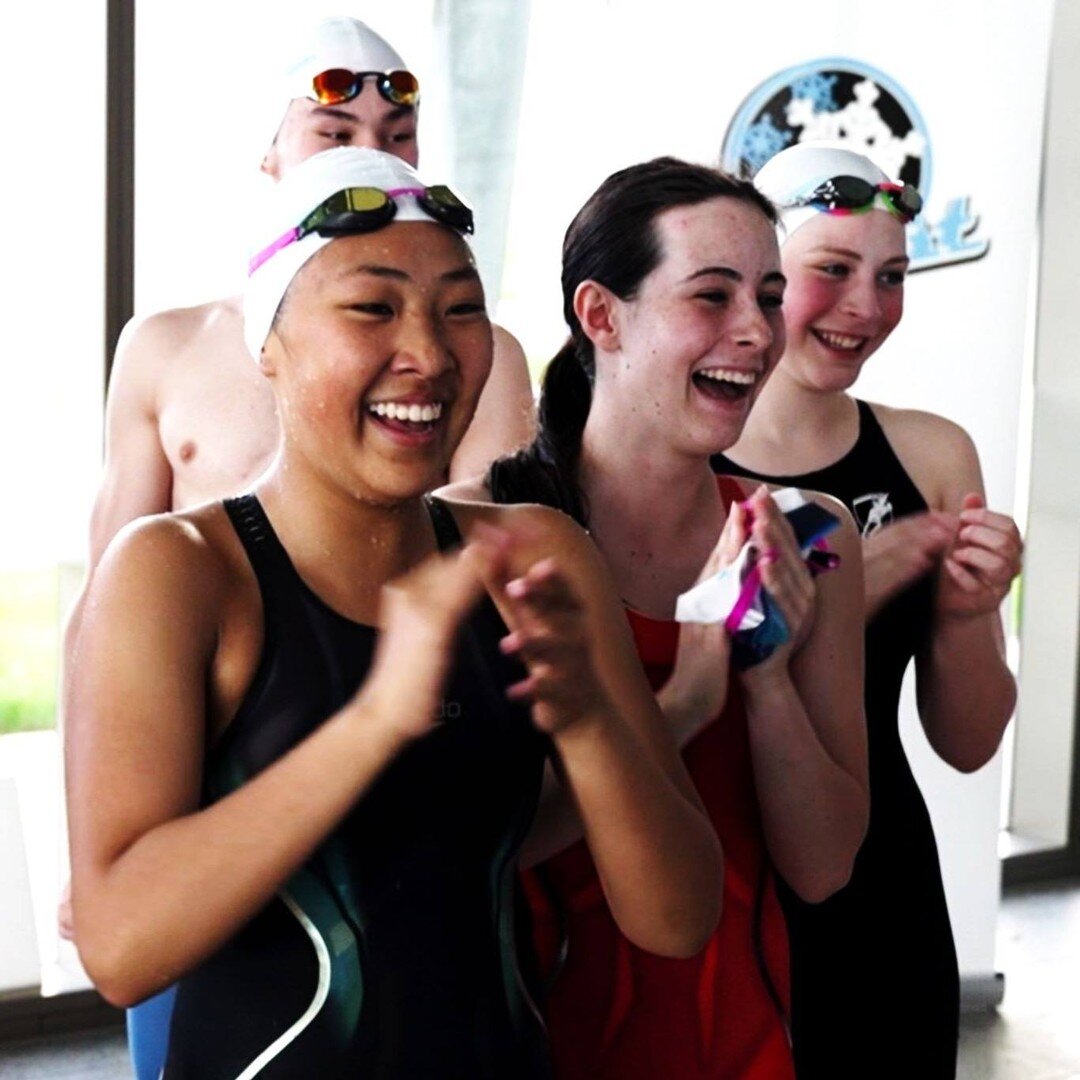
(338, 85)
(365, 209)
(853, 194)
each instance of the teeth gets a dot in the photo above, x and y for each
(740, 378)
(416, 414)
(840, 341)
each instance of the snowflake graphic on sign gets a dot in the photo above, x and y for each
(847, 101)
(858, 126)
(837, 100)
(763, 141)
(817, 88)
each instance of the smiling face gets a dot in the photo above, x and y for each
(704, 330)
(845, 295)
(378, 356)
(368, 120)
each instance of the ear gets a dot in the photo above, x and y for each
(595, 308)
(268, 355)
(270, 163)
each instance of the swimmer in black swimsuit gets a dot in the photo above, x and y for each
(875, 987)
(303, 756)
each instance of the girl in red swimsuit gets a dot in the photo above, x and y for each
(672, 290)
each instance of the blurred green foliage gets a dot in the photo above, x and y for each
(29, 649)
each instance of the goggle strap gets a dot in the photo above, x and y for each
(281, 242)
(457, 217)
(830, 197)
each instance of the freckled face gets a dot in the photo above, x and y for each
(703, 332)
(845, 294)
(378, 357)
(368, 120)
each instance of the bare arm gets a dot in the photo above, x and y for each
(900, 553)
(137, 479)
(804, 703)
(807, 725)
(158, 883)
(966, 692)
(655, 851)
(505, 415)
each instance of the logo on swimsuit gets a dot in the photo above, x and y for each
(872, 511)
(448, 710)
(850, 102)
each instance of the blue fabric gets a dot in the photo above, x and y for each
(148, 1034)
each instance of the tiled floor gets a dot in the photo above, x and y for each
(1035, 1035)
(82, 1057)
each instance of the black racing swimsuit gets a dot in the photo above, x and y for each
(390, 954)
(875, 989)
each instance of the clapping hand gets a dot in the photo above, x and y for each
(550, 636)
(420, 614)
(784, 574)
(979, 567)
(898, 554)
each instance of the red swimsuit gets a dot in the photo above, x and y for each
(618, 1013)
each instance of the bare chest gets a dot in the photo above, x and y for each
(217, 425)
(649, 580)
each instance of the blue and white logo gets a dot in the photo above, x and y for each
(849, 102)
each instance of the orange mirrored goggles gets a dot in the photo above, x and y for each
(339, 85)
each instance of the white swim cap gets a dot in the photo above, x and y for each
(278, 254)
(336, 42)
(339, 42)
(794, 173)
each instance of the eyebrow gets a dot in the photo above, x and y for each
(461, 273)
(734, 275)
(330, 112)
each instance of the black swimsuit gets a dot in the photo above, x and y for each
(875, 989)
(390, 954)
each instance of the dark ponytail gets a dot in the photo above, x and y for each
(545, 471)
(612, 241)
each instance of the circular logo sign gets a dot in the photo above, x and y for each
(844, 101)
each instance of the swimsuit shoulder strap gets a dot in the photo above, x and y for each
(447, 533)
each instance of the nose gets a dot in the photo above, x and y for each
(752, 329)
(421, 348)
(365, 137)
(861, 300)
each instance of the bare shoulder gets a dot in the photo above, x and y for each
(938, 454)
(539, 532)
(472, 490)
(155, 338)
(190, 557)
(827, 502)
(506, 345)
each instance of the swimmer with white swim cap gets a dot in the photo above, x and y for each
(802, 180)
(874, 968)
(302, 764)
(189, 418)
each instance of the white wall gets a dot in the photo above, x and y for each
(52, 189)
(1051, 608)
